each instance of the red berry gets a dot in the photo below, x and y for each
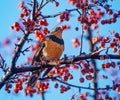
(82, 80)
(16, 24)
(56, 85)
(6, 41)
(56, 4)
(116, 35)
(110, 12)
(76, 28)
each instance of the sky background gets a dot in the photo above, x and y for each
(9, 13)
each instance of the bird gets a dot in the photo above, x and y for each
(49, 50)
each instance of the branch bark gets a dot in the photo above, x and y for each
(15, 57)
(93, 62)
(63, 61)
(16, 54)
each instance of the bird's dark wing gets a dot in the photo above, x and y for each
(38, 53)
(35, 74)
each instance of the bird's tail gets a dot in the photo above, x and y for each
(33, 78)
(35, 75)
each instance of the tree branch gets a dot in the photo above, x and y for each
(62, 61)
(59, 13)
(16, 54)
(33, 10)
(79, 87)
(75, 86)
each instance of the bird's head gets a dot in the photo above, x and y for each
(57, 32)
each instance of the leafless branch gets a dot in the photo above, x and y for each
(25, 50)
(40, 5)
(59, 13)
(17, 52)
(81, 40)
(75, 86)
(33, 10)
(3, 65)
(63, 61)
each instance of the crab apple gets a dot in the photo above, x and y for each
(112, 64)
(32, 48)
(83, 72)
(103, 66)
(113, 20)
(56, 4)
(85, 27)
(112, 44)
(118, 13)
(45, 30)
(76, 28)
(17, 29)
(75, 66)
(110, 12)
(103, 22)
(28, 60)
(16, 24)
(116, 35)
(21, 5)
(86, 66)
(114, 49)
(99, 13)
(102, 44)
(6, 41)
(16, 91)
(21, 15)
(91, 70)
(12, 27)
(82, 79)
(95, 26)
(102, 58)
(75, 42)
(118, 67)
(26, 13)
(118, 52)
(107, 65)
(83, 96)
(56, 85)
(65, 78)
(106, 38)
(91, 11)
(115, 15)
(43, 22)
(89, 77)
(94, 40)
(106, 6)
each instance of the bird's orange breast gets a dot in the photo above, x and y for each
(52, 50)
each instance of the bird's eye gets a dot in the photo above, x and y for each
(58, 28)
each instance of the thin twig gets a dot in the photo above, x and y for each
(44, 5)
(33, 10)
(39, 7)
(81, 41)
(75, 86)
(57, 14)
(25, 50)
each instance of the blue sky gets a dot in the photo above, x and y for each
(9, 13)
